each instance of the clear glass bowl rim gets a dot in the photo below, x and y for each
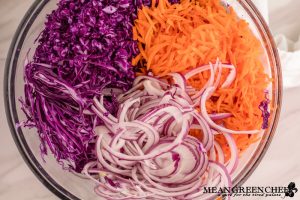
(10, 104)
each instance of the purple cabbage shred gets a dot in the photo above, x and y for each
(85, 47)
(264, 107)
(112, 183)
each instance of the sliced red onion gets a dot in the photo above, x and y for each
(179, 79)
(160, 192)
(206, 93)
(100, 110)
(156, 152)
(126, 105)
(219, 116)
(218, 68)
(200, 123)
(225, 179)
(196, 95)
(133, 92)
(195, 71)
(146, 153)
(153, 88)
(201, 69)
(234, 157)
(220, 153)
(139, 79)
(230, 78)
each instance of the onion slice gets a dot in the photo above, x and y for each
(146, 152)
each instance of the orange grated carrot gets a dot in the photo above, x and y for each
(181, 37)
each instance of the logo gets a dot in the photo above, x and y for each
(291, 190)
(254, 191)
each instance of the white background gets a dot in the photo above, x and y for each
(280, 165)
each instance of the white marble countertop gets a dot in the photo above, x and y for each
(280, 165)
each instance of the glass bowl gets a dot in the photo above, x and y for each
(67, 185)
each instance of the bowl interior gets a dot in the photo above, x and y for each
(68, 185)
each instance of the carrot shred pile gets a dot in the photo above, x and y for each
(181, 37)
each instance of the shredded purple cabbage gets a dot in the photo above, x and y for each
(86, 46)
(264, 107)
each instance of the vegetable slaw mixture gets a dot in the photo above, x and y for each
(150, 100)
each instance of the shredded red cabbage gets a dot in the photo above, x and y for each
(264, 107)
(86, 46)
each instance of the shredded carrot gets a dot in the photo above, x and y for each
(180, 37)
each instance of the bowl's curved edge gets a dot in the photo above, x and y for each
(9, 102)
(21, 33)
(278, 94)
